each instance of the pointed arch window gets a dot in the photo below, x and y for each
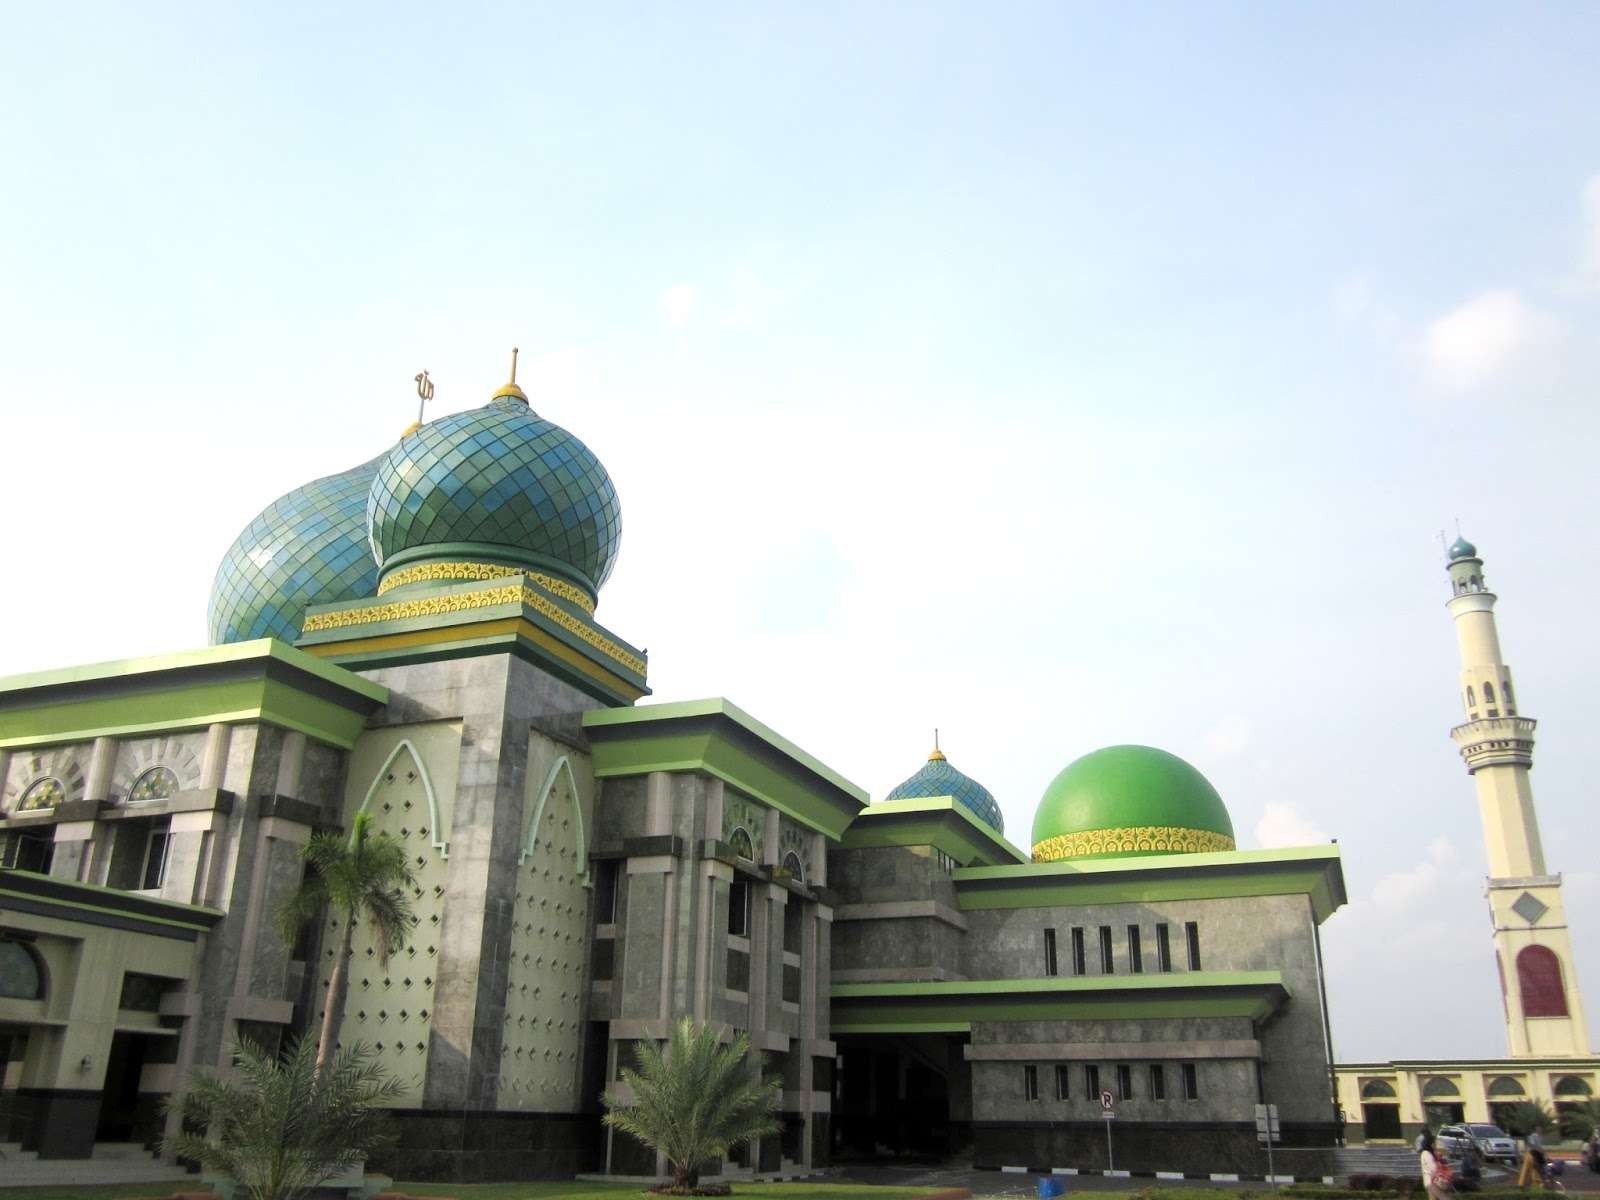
(1472, 697)
(1539, 979)
(1488, 692)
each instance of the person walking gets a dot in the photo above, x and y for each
(1435, 1174)
(1532, 1170)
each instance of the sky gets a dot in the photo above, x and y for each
(1054, 375)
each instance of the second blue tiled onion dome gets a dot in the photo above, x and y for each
(939, 778)
(496, 485)
(306, 547)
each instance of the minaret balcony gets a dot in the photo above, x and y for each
(1495, 741)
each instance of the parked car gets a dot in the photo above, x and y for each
(1490, 1141)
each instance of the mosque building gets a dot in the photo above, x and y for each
(416, 639)
(1550, 1060)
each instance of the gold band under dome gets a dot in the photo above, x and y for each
(1136, 839)
(470, 571)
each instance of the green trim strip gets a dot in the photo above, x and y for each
(934, 821)
(903, 1007)
(715, 737)
(1316, 872)
(904, 1027)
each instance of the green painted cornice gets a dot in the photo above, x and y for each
(938, 821)
(45, 895)
(264, 680)
(721, 739)
(1313, 871)
(956, 1004)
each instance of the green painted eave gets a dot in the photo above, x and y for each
(937, 821)
(1314, 871)
(721, 739)
(264, 680)
(69, 898)
(910, 1007)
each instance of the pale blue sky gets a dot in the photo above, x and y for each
(1057, 375)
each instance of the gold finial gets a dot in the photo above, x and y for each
(511, 388)
(938, 754)
(424, 394)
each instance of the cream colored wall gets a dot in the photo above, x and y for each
(549, 957)
(1538, 1036)
(1510, 827)
(1471, 1081)
(404, 778)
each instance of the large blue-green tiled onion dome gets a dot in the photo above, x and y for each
(938, 778)
(494, 487)
(307, 547)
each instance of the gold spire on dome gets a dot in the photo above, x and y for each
(511, 388)
(424, 394)
(938, 754)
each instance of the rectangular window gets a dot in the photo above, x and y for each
(794, 929)
(739, 908)
(604, 957)
(1135, 951)
(1191, 1084)
(155, 859)
(1192, 932)
(1124, 1082)
(605, 891)
(1091, 1080)
(1030, 1082)
(142, 993)
(1049, 951)
(1079, 966)
(1163, 948)
(1107, 964)
(29, 850)
(1063, 1082)
(1158, 1082)
(791, 984)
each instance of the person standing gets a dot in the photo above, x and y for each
(1435, 1175)
(1532, 1161)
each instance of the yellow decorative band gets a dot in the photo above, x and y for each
(435, 606)
(1136, 839)
(430, 572)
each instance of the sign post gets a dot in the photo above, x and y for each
(1108, 1110)
(1267, 1133)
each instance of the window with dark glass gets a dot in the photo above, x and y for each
(154, 872)
(1124, 1082)
(1158, 1082)
(791, 984)
(1063, 1082)
(1163, 948)
(1030, 1082)
(1091, 1080)
(1191, 1084)
(605, 891)
(1049, 951)
(739, 908)
(1135, 951)
(1192, 932)
(29, 850)
(1107, 962)
(1079, 963)
(794, 927)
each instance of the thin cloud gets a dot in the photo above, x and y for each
(1285, 825)
(678, 304)
(1591, 232)
(1480, 340)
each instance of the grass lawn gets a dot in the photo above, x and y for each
(542, 1190)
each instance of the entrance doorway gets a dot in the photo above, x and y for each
(1381, 1121)
(119, 1098)
(893, 1096)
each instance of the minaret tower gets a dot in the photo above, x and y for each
(1544, 1015)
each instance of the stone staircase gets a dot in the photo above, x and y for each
(113, 1162)
(1375, 1160)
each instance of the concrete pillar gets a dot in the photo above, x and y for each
(102, 758)
(658, 804)
(214, 760)
(291, 764)
(71, 857)
(189, 846)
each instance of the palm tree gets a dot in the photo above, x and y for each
(281, 1125)
(696, 1100)
(365, 878)
(1579, 1120)
(1524, 1116)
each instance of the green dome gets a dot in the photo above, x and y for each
(1461, 548)
(1129, 800)
(495, 487)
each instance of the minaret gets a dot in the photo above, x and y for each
(1544, 1015)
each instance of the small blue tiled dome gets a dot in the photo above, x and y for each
(1461, 548)
(500, 485)
(939, 778)
(307, 547)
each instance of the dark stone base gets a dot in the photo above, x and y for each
(1192, 1147)
(56, 1124)
(476, 1146)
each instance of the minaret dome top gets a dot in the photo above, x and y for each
(1461, 548)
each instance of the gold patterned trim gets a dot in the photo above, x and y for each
(434, 606)
(1158, 839)
(458, 571)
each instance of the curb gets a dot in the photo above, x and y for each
(1210, 1177)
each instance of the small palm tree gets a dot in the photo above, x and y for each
(1523, 1117)
(695, 1101)
(367, 878)
(1578, 1121)
(280, 1126)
